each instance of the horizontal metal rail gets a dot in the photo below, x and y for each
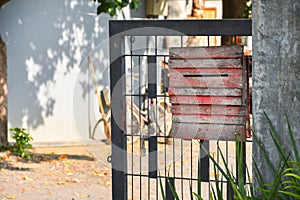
(226, 27)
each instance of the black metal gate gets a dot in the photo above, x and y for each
(144, 154)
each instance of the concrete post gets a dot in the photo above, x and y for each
(276, 74)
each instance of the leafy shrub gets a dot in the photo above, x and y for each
(22, 139)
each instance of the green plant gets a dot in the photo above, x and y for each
(237, 183)
(22, 139)
(4, 148)
(248, 9)
(112, 6)
(292, 180)
(286, 173)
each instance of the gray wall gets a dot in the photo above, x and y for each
(49, 88)
(276, 73)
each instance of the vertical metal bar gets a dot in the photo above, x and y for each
(208, 41)
(229, 191)
(181, 164)
(152, 162)
(118, 119)
(191, 153)
(156, 188)
(170, 182)
(131, 113)
(245, 102)
(229, 188)
(199, 171)
(165, 77)
(243, 161)
(173, 159)
(140, 117)
(235, 39)
(204, 161)
(152, 77)
(181, 140)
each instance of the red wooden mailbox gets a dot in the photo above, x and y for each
(208, 91)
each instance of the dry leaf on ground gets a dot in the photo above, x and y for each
(62, 157)
(61, 183)
(11, 196)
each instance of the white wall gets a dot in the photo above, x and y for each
(50, 92)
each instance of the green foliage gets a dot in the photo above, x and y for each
(248, 9)
(22, 139)
(236, 183)
(283, 173)
(291, 181)
(162, 189)
(112, 6)
(4, 148)
(286, 173)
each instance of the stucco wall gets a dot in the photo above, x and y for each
(50, 92)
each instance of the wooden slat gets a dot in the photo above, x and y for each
(231, 81)
(206, 52)
(206, 63)
(205, 91)
(206, 100)
(208, 109)
(216, 71)
(206, 131)
(209, 119)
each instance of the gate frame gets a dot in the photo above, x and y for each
(117, 31)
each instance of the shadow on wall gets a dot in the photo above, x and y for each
(47, 42)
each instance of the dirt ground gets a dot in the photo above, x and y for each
(82, 172)
(62, 173)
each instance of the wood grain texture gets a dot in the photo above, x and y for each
(206, 100)
(203, 82)
(206, 52)
(207, 91)
(209, 119)
(215, 71)
(182, 109)
(205, 63)
(207, 131)
(236, 92)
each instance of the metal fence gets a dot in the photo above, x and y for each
(146, 159)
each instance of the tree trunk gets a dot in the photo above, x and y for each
(232, 9)
(3, 94)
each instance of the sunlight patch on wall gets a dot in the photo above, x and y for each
(33, 69)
